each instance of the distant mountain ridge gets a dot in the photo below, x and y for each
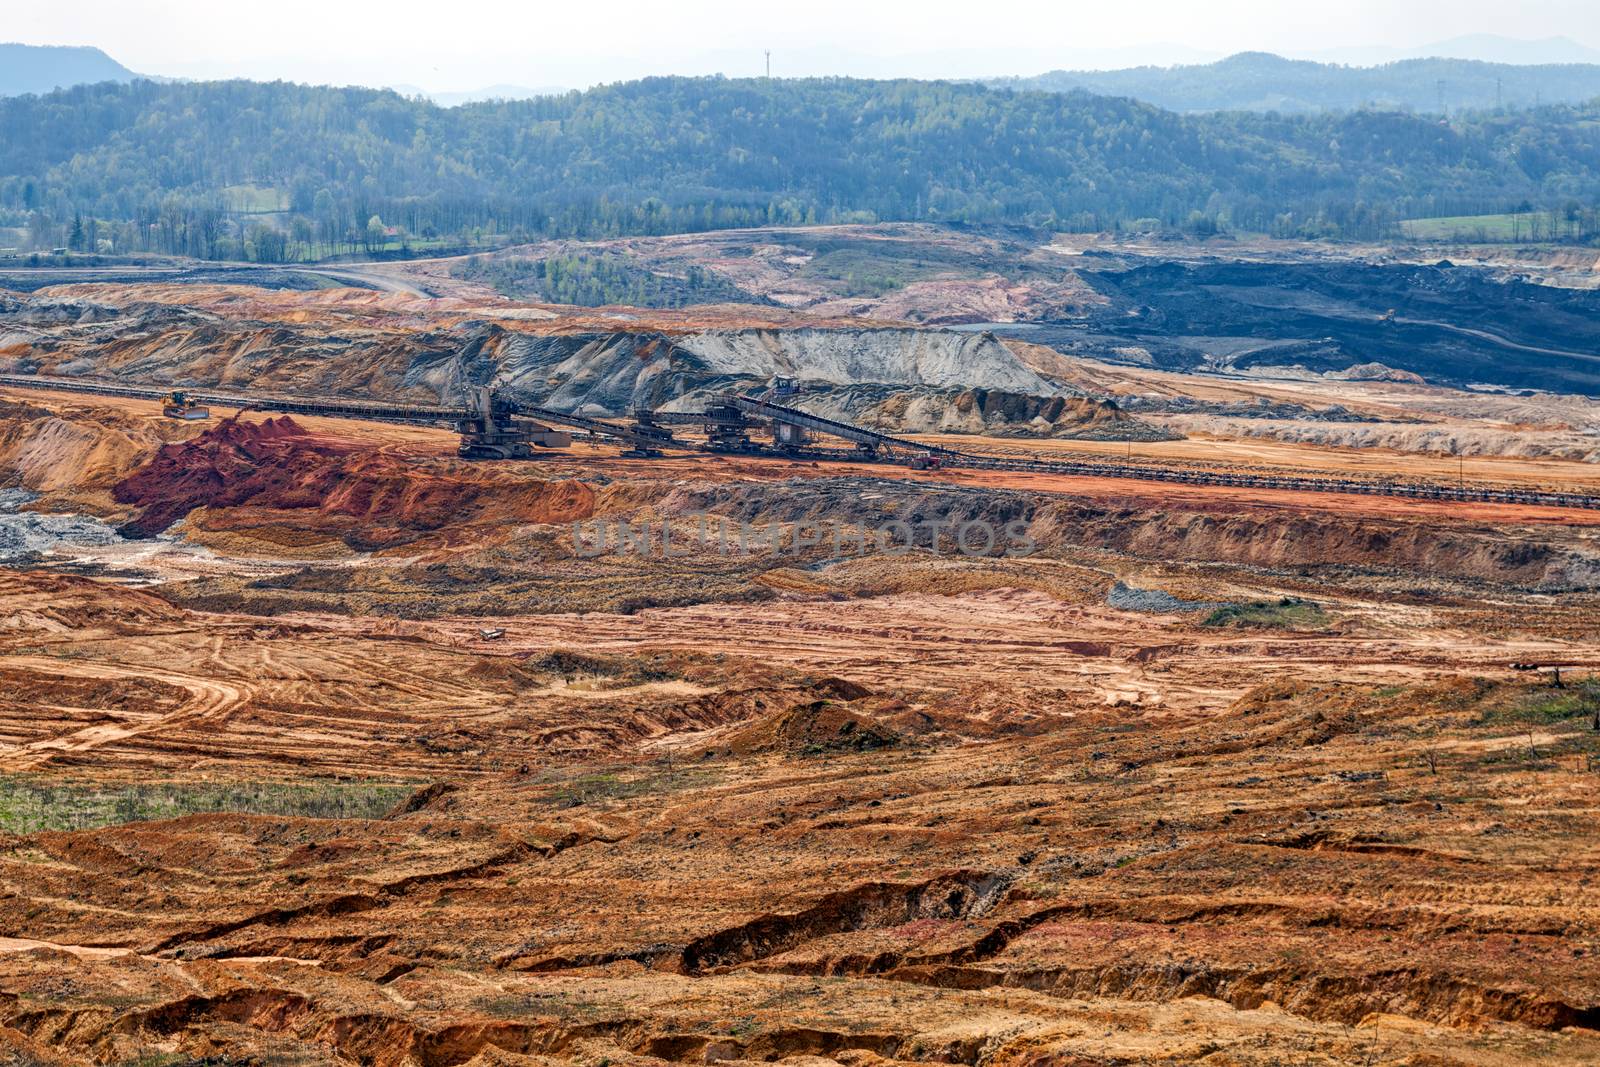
(1261, 81)
(1487, 47)
(31, 68)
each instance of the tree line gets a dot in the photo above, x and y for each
(155, 167)
(595, 280)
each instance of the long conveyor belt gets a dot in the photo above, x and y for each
(423, 414)
(645, 439)
(765, 409)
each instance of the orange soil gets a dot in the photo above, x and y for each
(422, 440)
(896, 830)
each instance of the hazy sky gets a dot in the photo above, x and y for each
(464, 44)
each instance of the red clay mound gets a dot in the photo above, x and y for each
(276, 465)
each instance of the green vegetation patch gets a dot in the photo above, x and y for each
(1545, 706)
(860, 272)
(1288, 613)
(600, 279)
(255, 199)
(1508, 226)
(29, 805)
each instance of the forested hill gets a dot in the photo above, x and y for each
(1259, 81)
(290, 168)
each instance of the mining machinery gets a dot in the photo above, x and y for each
(492, 430)
(180, 405)
(498, 426)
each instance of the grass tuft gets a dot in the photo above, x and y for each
(31, 805)
(1547, 707)
(1285, 614)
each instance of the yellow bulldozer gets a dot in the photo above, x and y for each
(180, 405)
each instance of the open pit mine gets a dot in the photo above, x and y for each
(371, 692)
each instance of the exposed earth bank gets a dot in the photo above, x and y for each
(290, 485)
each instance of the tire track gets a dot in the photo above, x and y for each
(209, 701)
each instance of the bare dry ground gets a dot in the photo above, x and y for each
(285, 801)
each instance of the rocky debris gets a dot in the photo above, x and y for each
(1376, 372)
(230, 464)
(902, 381)
(1402, 435)
(1259, 408)
(1125, 597)
(28, 535)
(44, 312)
(1000, 414)
(932, 358)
